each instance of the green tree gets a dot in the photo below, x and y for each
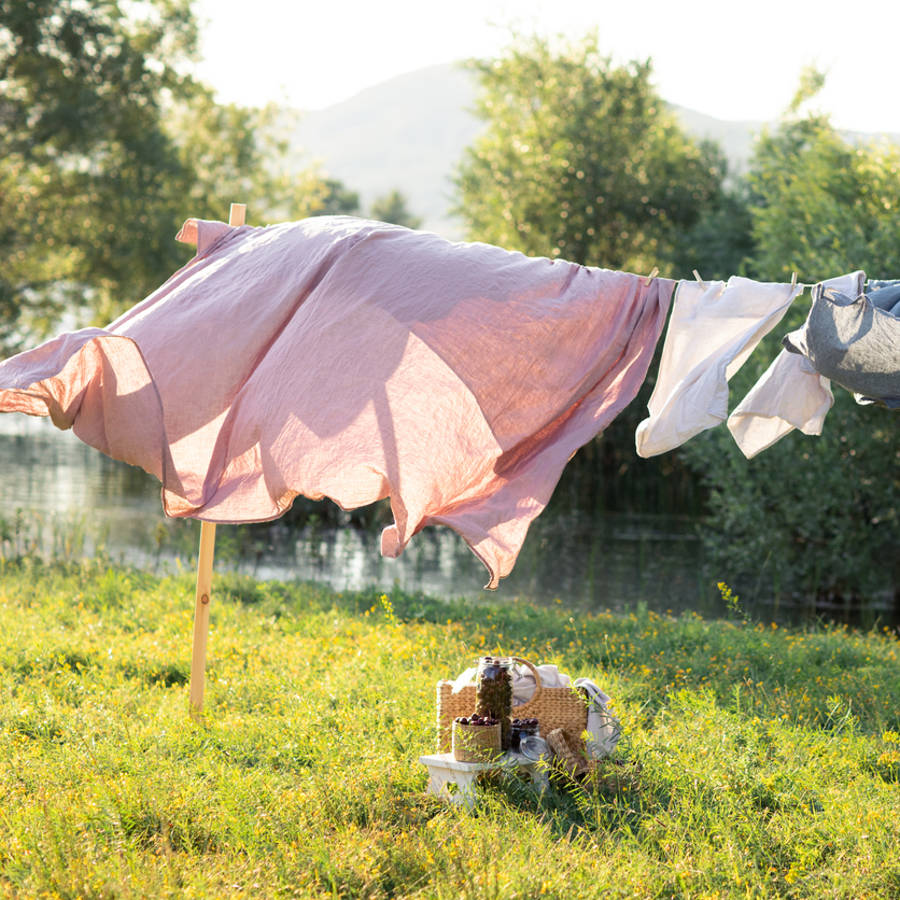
(391, 207)
(581, 159)
(106, 147)
(720, 243)
(812, 518)
(333, 199)
(820, 203)
(83, 154)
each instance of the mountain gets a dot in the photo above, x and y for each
(409, 133)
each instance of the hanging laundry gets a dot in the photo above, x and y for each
(337, 357)
(884, 295)
(853, 338)
(713, 328)
(790, 394)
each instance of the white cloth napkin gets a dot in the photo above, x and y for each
(604, 728)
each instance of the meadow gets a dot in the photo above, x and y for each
(756, 760)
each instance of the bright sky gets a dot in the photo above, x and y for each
(734, 61)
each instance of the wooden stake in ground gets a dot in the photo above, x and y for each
(204, 570)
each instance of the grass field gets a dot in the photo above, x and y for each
(756, 761)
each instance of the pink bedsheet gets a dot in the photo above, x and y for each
(337, 357)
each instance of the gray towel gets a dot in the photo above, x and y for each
(855, 342)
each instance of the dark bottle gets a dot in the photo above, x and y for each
(493, 693)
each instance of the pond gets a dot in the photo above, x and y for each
(66, 499)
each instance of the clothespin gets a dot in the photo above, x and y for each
(793, 279)
(653, 273)
(697, 276)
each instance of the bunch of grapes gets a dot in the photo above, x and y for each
(476, 720)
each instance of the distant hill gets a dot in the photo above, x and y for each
(409, 133)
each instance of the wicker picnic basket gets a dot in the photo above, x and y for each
(562, 707)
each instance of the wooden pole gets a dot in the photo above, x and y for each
(237, 216)
(201, 615)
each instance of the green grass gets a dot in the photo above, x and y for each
(756, 761)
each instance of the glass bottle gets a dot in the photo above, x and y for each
(493, 693)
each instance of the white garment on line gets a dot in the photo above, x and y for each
(713, 329)
(790, 393)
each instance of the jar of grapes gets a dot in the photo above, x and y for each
(493, 693)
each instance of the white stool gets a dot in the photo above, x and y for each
(444, 771)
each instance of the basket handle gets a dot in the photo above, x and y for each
(538, 687)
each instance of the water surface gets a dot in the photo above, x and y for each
(65, 497)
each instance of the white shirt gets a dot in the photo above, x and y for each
(713, 329)
(790, 393)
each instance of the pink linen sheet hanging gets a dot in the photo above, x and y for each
(343, 358)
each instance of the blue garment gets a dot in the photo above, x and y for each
(885, 295)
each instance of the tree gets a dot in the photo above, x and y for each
(391, 207)
(80, 135)
(582, 160)
(820, 203)
(333, 198)
(105, 148)
(720, 243)
(812, 518)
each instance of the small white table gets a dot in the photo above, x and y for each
(444, 771)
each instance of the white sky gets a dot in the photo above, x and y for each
(730, 60)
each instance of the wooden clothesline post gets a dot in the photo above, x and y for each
(237, 216)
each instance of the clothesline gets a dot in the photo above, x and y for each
(794, 281)
(344, 358)
(849, 337)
